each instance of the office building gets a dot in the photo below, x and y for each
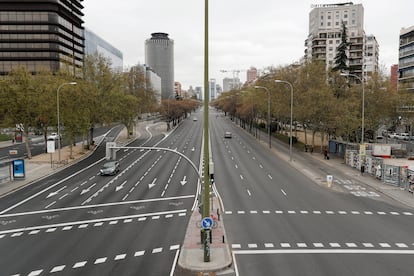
(95, 44)
(251, 75)
(159, 55)
(325, 27)
(406, 59)
(231, 84)
(212, 89)
(41, 35)
(199, 92)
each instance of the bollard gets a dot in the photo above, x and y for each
(218, 214)
(223, 238)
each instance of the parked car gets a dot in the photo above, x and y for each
(393, 135)
(110, 168)
(403, 136)
(52, 136)
(227, 134)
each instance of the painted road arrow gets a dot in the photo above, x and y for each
(152, 184)
(120, 187)
(84, 191)
(184, 181)
(56, 192)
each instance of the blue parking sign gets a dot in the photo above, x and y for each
(18, 169)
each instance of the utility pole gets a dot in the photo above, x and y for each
(206, 194)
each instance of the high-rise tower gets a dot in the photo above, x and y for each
(41, 34)
(159, 55)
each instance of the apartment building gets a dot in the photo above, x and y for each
(325, 27)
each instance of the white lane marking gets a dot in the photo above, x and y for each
(253, 212)
(79, 264)
(174, 263)
(100, 260)
(283, 192)
(58, 268)
(241, 212)
(85, 222)
(50, 187)
(95, 206)
(139, 253)
(235, 245)
(269, 245)
(368, 244)
(36, 272)
(302, 245)
(285, 245)
(67, 228)
(241, 176)
(62, 197)
(157, 250)
(174, 247)
(252, 245)
(270, 176)
(50, 204)
(324, 251)
(120, 257)
(250, 194)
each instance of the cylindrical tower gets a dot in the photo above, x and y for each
(159, 55)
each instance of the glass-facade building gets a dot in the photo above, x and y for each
(41, 34)
(95, 44)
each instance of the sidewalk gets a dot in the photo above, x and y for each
(40, 166)
(396, 193)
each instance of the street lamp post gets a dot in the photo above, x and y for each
(291, 115)
(363, 102)
(268, 111)
(58, 114)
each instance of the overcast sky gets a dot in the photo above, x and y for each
(243, 33)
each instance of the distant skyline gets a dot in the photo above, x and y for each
(264, 34)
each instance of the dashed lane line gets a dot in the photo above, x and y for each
(84, 223)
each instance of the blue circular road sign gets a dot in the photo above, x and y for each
(207, 223)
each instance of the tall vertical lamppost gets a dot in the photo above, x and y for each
(268, 111)
(363, 103)
(206, 191)
(291, 115)
(58, 115)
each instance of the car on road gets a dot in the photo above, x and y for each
(110, 168)
(393, 135)
(52, 136)
(227, 134)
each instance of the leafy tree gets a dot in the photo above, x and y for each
(341, 57)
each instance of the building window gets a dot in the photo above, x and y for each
(329, 24)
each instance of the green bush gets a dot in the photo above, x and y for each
(4, 137)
